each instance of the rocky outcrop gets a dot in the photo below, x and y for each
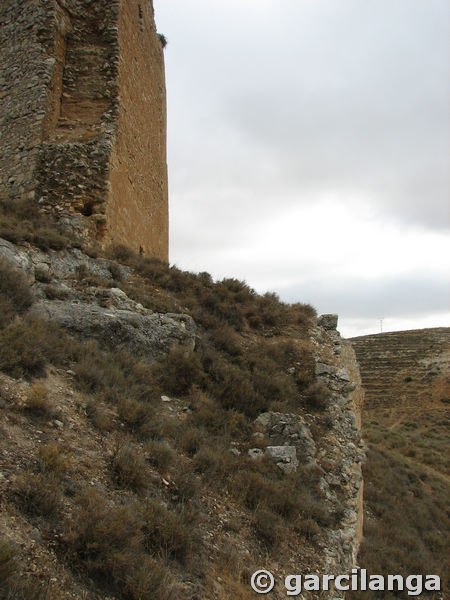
(105, 314)
(146, 335)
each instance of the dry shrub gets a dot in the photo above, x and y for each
(105, 539)
(258, 492)
(130, 469)
(53, 460)
(215, 464)
(7, 563)
(317, 396)
(55, 292)
(149, 580)
(21, 221)
(160, 454)
(224, 338)
(167, 533)
(38, 402)
(99, 416)
(28, 344)
(15, 293)
(192, 440)
(38, 494)
(206, 413)
(187, 483)
(121, 253)
(178, 371)
(134, 413)
(233, 387)
(269, 527)
(307, 527)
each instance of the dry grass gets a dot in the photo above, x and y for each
(406, 496)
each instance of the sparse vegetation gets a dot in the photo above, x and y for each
(406, 494)
(22, 221)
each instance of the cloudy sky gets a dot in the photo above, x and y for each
(308, 152)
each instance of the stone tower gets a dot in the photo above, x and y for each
(83, 116)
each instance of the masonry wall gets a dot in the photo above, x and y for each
(84, 126)
(138, 206)
(26, 66)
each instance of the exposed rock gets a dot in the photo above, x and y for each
(328, 322)
(287, 430)
(256, 453)
(148, 336)
(285, 457)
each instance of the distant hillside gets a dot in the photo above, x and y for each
(406, 426)
(404, 367)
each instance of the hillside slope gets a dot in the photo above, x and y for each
(163, 435)
(406, 426)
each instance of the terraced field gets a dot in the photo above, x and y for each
(407, 480)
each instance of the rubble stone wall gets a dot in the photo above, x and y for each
(83, 116)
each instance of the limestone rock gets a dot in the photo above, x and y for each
(287, 430)
(148, 336)
(285, 457)
(328, 322)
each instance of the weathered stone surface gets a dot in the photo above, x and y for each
(287, 430)
(285, 457)
(149, 336)
(328, 322)
(57, 264)
(83, 117)
(255, 453)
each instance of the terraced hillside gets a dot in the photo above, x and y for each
(406, 477)
(404, 367)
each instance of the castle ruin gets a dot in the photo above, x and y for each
(83, 116)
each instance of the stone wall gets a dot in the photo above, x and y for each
(83, 125)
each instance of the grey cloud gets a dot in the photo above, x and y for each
(404, 296)
(349, 96)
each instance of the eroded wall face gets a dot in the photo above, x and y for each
(73, 170)
(83, 116)
(137, 207)
(26, 66)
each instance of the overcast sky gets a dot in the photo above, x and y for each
(308, 152)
